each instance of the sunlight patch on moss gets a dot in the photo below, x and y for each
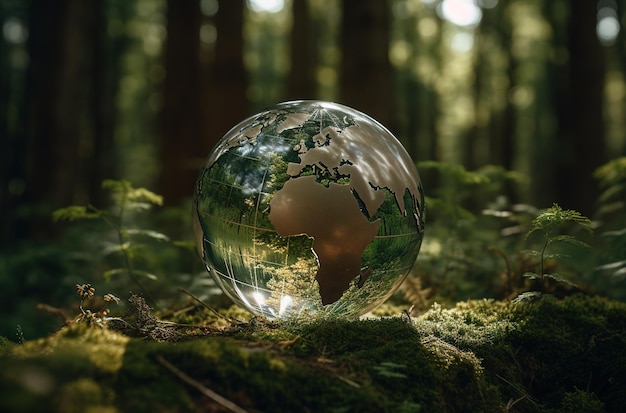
(470, 324)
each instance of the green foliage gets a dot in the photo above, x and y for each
(75, 213)
(546, 225)
(581, 401)
(457, 185)
(454, 258)
(612, 221)
(612, 179)
(126, 199)
(391, 369)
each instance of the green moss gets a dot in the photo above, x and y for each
(581, 401)
(5, 342)
(477, 356)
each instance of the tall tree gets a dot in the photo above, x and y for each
(181, 133)
(301, 82)
(366, 73)
(203, 98)
(581, 146)
(227, 100)
(58, 147)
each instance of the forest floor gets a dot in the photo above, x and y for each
(549, 355)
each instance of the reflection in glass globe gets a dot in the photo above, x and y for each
(309, 208)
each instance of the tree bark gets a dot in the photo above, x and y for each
(366, 73)
(581, 147)
(181, 111)
(58, 148)
(204, 98)
(301, 82)
(227, 100)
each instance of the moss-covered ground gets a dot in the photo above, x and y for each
(551, 355)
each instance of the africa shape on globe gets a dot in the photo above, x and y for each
(309, 207)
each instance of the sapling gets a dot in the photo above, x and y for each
(126, 199)
(547, 224)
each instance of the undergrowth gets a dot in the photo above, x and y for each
(454, 337)
(481, 355)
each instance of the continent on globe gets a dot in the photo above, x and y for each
(331, 216)
(336, 215)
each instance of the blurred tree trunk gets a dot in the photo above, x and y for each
(204, 94)
(226, 97)
(581, 146)
(366, 73)
(59, 144)
(301, 82)
(104, 82)
(11, 128)
(181, 134)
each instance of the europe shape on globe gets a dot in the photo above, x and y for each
(309, 207)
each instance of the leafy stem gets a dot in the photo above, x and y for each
(126, 199)
(547, 224)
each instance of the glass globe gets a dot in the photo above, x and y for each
(306, 208)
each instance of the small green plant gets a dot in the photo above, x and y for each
(548, 225)
(126, 200)
(19, 333)
(390, 369)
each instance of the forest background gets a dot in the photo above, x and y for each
(143, 89)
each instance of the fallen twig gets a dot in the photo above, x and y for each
(199, 386)
(205, 305)
(55, 311)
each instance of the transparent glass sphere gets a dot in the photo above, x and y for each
(309, 207)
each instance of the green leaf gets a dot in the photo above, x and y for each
(111, 273)
(568, 239)
(556, 216)
(138, 206)
(186, 244)
(124, 193)
(389, 369)
(76, 212)
(612, 265)
(617, 233)
(146, 274)
(148, 233)
(611, 172)
(527, 296)
(532, 253)
(555, 256)
(116, 186)
(532, 276)
(558, 278)
(114, 248)
(532, 231)
(145, 195)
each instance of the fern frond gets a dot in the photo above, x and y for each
(556, 216)
(145, 195)
(558, 278)
(413, 292)
(123, 191)
(611, 172)
(532, 276)
(568, 239)
(527, 296)
(148, 233)
(76, 212)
